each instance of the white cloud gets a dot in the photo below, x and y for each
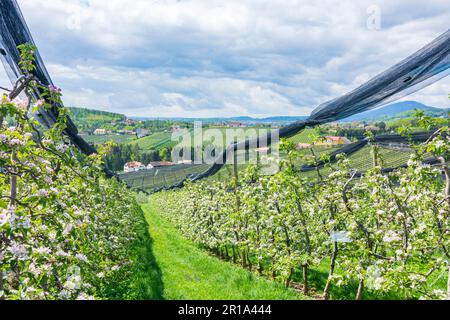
(211, 58)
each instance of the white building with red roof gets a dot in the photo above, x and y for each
(133, 166)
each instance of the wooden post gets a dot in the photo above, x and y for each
(375, 155)
(235, 167)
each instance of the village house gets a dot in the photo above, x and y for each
(133, 166)
(130, 122)
(141, 133)
(327, 142)
(236, 124)
(301, 146)
(334, 141)
(372, 128)
(100, 132)
(263, 150)
(185, 162)
(128, 132)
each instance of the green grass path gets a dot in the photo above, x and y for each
(188, 272)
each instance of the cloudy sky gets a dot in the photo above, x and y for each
(203, 58)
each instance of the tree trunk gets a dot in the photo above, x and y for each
(227, 256)
(360, 293)
(316, 163)
(305, 279)
(326, 291)
(288, 280)
(244, 259)
(374, 156)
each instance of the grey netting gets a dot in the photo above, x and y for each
(413, 73)
(14, 32)
(429, 161)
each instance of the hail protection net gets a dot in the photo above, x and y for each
(14, 32)
(417, 71)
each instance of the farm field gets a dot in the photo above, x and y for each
(305, 136)
(163, 177)
(155, 141)
(119, 139)
(160, 177)
(164, 139)
(362, 160)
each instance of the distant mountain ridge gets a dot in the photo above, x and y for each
(402, 109)
(397, 110)
(244, 119)
(93, 113)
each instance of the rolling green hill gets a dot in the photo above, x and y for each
(154, 141)
(89, 120)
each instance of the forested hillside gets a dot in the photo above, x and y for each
(88, 120)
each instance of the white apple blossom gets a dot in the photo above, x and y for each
(43, 193)
(42, 250)
(81, 257)
(19, 251)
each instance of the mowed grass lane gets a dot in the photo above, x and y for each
(188, 272)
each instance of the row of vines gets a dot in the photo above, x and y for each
(381, 233)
